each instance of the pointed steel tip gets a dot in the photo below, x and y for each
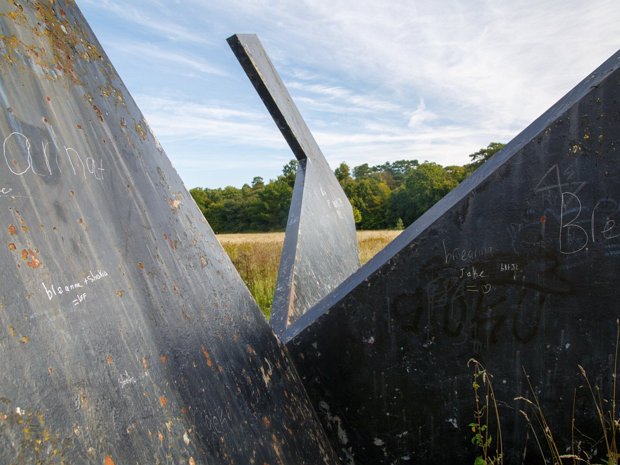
(241, 37)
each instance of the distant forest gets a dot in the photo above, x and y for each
(387, 196)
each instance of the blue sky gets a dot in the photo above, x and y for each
(375, 81)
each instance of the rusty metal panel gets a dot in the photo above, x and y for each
(517, 268)
(126, 335)
(320, 246)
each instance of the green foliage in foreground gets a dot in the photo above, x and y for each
(387, 196)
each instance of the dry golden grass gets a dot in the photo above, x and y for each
(257, 257)
(371, 242)
(254, 238)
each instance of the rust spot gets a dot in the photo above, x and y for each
(79, 126)
(12, 247)
(266, 421)
(141, 265)
(119, 293)
(12, 331)
(109, 359)
(251, 350)
(50, 370)
(192, 461)
(49, 99)
(163, 401)
(24, 339)
(98, 111)
(203, 261)
(163, 359)
(220, 368)
(108, 460)
(140, 130)
(34, 261)
(25, 228)
(145, 363)
(184, 410)
(160, 436)
(543, 219)
(12, 229)
(205, 354)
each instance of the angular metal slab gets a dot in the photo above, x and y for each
(126, 335)
(320, 246)
(518, 268)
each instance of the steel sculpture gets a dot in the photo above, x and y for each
(320, 245)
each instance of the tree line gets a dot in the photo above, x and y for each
(387, 196)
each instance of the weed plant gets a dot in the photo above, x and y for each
(578, 451)
(490, 453)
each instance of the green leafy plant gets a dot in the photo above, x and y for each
(486, 405)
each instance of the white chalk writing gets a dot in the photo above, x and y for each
(53, 290)
(20, 159)
(79, 299)
(573, 237)
(464, 255)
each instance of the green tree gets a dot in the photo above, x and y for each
(362, 171)
(422, 188)
(343, 173)
(386, 195)
(369, 196)
(289, 171)
(482, 155)
(272, 205)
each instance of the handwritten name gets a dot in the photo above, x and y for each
(20, 158)
(53, 291)
(472, 273)
(465, 255)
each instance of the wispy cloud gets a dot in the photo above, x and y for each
(162, 54)
(155, 18)
(176, 119)
(374, 80)
(342, 98)
(421, 116)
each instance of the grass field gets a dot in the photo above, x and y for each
(257, 257)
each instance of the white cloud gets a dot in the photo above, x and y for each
(421, 116)
(380, 80)
(162, 54)
(153, 16)
(175, 119)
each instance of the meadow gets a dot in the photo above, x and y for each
(257, 257)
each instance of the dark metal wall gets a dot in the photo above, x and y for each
(517, 268)
(126, 335)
